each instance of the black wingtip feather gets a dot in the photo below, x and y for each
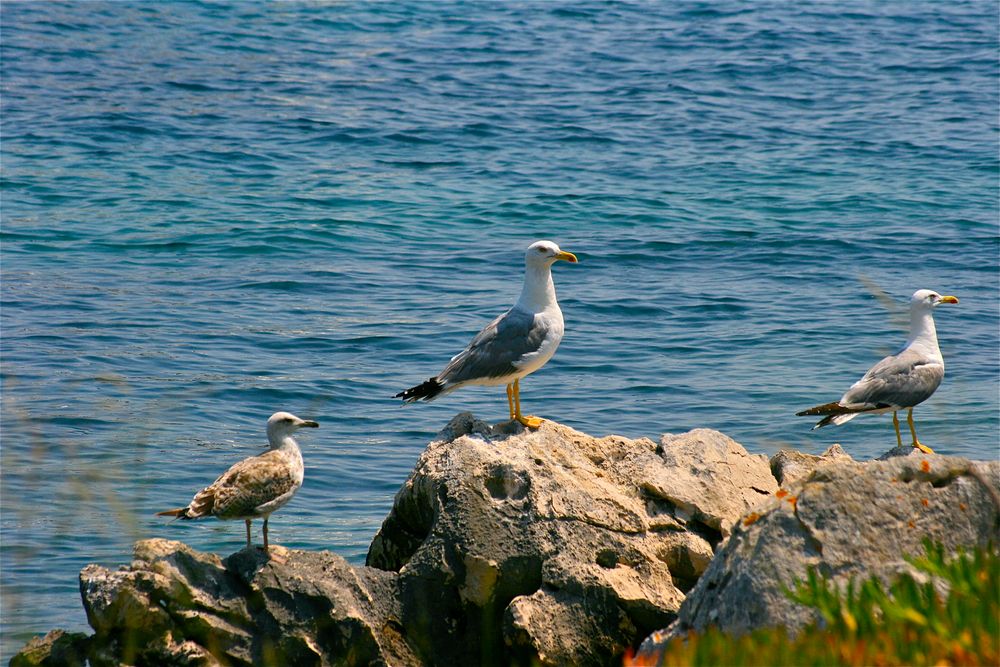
(834, 409)
(422, 392)
(179, 513)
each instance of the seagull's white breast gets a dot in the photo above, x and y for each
(551, 320)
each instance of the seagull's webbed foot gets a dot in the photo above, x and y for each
(530, 421)
(514, 391)
(913, 431)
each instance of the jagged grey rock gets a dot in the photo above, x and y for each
(57, 648)
(846, 519)
(789, 465)
(504, 546)
(175, 605)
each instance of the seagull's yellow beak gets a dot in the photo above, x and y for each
(948, 299)
(571, 258)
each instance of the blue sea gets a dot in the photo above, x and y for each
(214, 211)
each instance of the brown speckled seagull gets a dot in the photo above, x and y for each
(255, 487)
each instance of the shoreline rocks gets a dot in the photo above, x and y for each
(551, 547)
(845, 518)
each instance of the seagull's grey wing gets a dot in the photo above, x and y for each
(244, 487)
(901, 380)
(497, 349)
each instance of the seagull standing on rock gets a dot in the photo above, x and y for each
(255, 487)
(899, 381)
(515, 344)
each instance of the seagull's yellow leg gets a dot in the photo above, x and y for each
(527, 420)
(895, 423)
(510, 400)
(916, 443)
(248, 533)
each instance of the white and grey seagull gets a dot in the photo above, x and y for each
(515, 344)
(255, 487)
(901, 380)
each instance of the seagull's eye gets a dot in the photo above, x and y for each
(542, 249)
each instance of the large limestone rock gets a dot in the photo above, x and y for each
(579, 545)
(847, 519)
(503, 547)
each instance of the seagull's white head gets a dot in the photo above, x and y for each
(928, 299)
(283, 424)
(546, 253)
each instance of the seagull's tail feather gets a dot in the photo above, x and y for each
(180, 512)
(835, 414)
(426, 391)
(837, 420)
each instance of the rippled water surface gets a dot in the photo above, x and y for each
(214, 211)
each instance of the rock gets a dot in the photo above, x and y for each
(504, 546)
(687, 555)
(545, 628)
(177, 606)
(57, 648)
(581, 545)
(709, 479)
(789, 465)
(846, 519)
(900, 450)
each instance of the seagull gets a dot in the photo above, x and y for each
(515, 344)
(901, 380)
(257, 486)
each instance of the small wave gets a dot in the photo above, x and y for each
(155, 246)
(409, 138)
(193, 87)
(277, 285)
(421, 164)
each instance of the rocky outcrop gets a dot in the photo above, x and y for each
(57, 648)
(555, 546)
(174, 605)
(550, 547)
(846, 519)
(504, 546)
